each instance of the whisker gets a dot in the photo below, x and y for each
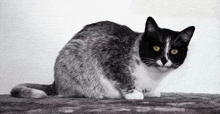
(175, 65)
(147, 58)
(148, 61)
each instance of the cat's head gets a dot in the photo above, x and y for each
(164, 48)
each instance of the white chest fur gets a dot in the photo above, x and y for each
(147, 78)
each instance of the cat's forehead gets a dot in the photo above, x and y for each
(162, 36)
(167, 34)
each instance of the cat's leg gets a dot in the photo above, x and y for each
(130, 92)
(153, 93)
(128, 89)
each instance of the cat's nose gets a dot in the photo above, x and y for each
(164, 60)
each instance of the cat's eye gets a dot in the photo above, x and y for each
(174, 51)
(156, 48)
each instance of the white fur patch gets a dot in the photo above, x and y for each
(148, 78)
(35, 93)
(167, 48)
(168, 64)
(135, 95)
(159, 62)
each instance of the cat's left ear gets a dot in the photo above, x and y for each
(151, 26)
(187, 34)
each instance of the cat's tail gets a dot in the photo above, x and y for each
(33, 90)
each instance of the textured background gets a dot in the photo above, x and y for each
(33, 31)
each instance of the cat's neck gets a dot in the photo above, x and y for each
(157, 73)
(152, 72)
(148, 78)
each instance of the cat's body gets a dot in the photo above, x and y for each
(108, 60)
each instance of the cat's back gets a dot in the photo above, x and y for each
(99, 40)
(104, 35)
(107, 30)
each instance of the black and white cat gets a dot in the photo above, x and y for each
(108, 60)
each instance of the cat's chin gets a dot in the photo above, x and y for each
(163, 69)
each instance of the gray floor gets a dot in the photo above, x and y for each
(170, 103)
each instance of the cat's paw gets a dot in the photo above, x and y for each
(134, 95)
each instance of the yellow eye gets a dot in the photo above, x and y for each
(174, 51)
(156, 48)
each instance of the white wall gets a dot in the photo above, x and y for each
(33, 31)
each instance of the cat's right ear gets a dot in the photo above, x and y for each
(187, 34)
(151, 25)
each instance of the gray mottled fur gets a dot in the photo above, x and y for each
(91, 54)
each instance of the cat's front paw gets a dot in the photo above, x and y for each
(134, 95)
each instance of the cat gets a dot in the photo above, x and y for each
(108, 60)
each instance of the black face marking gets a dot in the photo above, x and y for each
(164, 60)
(155, 36)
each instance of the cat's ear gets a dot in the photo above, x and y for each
(151, 25)
(187, 34)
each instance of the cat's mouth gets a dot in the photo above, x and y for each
(163, 68)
